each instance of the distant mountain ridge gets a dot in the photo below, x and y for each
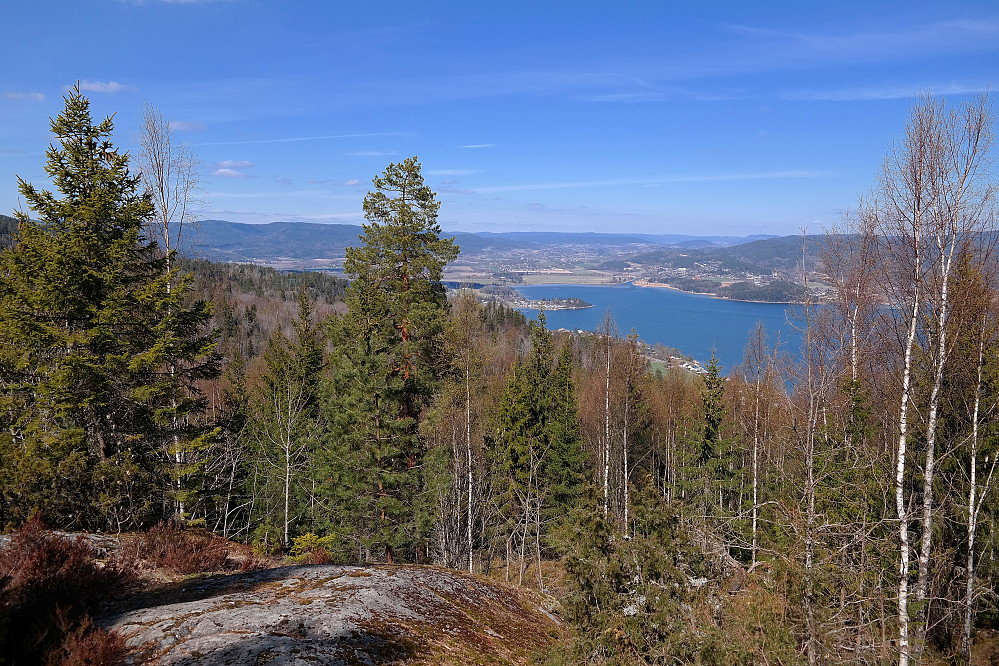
(220, 240)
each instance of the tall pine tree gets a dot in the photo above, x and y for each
(387, 363)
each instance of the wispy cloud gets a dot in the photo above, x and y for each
(232, 169)
(24, 96)
(323, 181)
(234, 164)
(474, 146)
(883, 92)
(372, 153)
(651, 93)
(923, 40)
(182, 126)
(324, 137)
(99, 86)
(283, 180)
(654, 181)
(746, 49)
(629, 97)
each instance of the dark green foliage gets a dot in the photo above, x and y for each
(499, 317)
(99, 350)
(695, 285)
(714, 410)
(265, 282)
(386, 364)
(630, 601)
(536, 436)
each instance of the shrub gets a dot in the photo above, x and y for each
(312, 549)
(90, 645)
(49, 583)
(183, 552)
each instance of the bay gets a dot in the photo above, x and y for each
(692, 323)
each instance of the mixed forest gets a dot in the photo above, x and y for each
(834, 503)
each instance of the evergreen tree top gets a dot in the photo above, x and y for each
(98, 191)
(401, 240)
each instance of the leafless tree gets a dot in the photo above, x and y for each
(169, 171)
(933, 197)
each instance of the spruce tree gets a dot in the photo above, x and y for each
(537, 432)
(715, 459)
(387, 363)
(89, 331)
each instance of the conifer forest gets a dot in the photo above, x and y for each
(829, 504)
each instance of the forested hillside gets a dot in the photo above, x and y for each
(835, 508)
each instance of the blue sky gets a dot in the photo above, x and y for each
(660, 117)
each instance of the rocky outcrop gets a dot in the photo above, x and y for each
(328, 614)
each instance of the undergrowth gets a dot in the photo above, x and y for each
(49, 585)
(184, 552)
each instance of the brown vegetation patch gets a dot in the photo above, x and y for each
(49, 586)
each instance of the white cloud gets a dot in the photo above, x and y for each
(323, 181)
(283, 180)
(99, 86)
(884, 92)
(234, 164)
(473, 146)
(25, 96)
(182, 126)
(229, 173)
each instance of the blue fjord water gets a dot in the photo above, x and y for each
(692, 323)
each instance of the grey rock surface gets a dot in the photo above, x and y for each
(329, 614)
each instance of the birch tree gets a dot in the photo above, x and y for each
(933, 196)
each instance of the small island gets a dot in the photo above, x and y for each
(512, 298)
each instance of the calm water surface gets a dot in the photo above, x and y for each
(689, 322)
